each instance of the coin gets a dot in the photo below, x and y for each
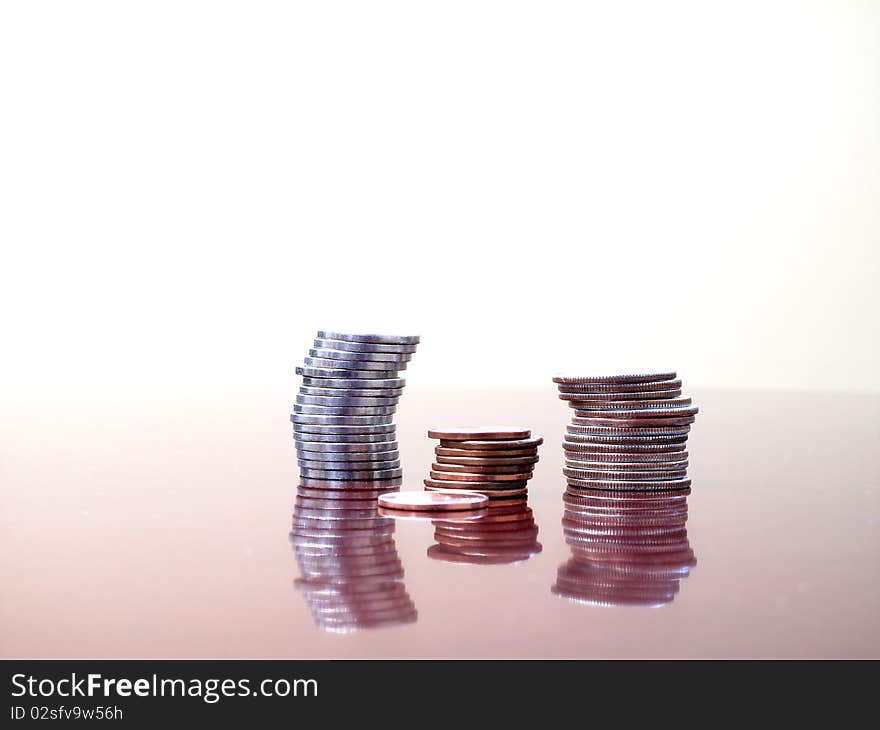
(481, 468)
(605, 379)
(607, 420)
(345, 401)
(350, 456)
(631, 405)
(323, 379)
(359, 486)
(365, 347)
(433, 501)
(388, 369)
(371, 338)
(574, 397)
(599, 388)
(364, 474)
(616, 484)
(341, 373)
(313, 420)
(477, 484)
(465, 461)
(477, 487)
(305, 430)
(324, 447)
(480, 476)
(644, 500)
(465, 433)
(623, 474)
(345, 493)
(486, 454)
(590, 464)
(618, 431)
(344, 410)
(342, 505)
(616, 410)
(480, 445)
(389, 357)
(329, 391)
(349, 465)
(460, 517)
(576, 452)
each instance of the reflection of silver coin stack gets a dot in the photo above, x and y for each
(507, 533)
(628, 548)
(351, 575)
(343, 418)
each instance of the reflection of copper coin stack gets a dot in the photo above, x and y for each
(506, 534)
(628, 548)
(351, 575)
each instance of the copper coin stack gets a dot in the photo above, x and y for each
(497, 461)
(343, 418)
(628, 432)
(628, 548)
(351, 574)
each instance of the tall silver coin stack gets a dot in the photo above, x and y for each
(343, 418)
(627, 434)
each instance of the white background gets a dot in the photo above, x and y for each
(188, 190)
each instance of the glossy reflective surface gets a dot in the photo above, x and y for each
(162, 530)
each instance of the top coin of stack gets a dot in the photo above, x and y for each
(343, 418)
(497, 462)
(628, 432)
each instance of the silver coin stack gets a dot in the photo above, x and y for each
(343, 418)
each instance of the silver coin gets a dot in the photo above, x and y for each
(321, 380)
(611, 397)
(310, 439)
(309, 418)
(608, 432)
(621, 475)
(362, 475)
(385, 367)
(349, 466)
(629, 406)
(364, 347)
(347, 457)
(344, 410)
(387, 429)
(379, 339)
(345, 448)
(380, 394)
(343, 401)
(630, 466)
(345, 374)
(391, 358)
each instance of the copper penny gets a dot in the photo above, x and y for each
(465, 433)
(606, 379)
(481, 468)
(482, 445)
(481, 477)
(500, 461)
(486, 453)
(432, 501)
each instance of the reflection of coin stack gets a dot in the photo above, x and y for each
(497, 462)
(351, 575)
(506, 534)
(628, 432)
(343, 418)
(628, 548)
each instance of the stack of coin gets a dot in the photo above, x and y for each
(628, 432)
(351, 575)
(343, 418)
(497, 461)
(628, 548)
(506, 534)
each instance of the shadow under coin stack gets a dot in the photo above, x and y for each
(506, 534)
(628, 548)
(351, 574)
(343, 418)
(497, 462)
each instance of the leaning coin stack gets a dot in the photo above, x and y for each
(497, 462)
(351, 574)
(506, 534)
(343, 418)
(628, 548)
(628, 432)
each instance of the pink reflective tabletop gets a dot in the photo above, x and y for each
(160, 529)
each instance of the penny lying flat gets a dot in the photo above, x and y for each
(472, 433)
(605, 379)
(480, 445)
(477, 461)
(482, 468)
(370, 338)
(433, 501)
